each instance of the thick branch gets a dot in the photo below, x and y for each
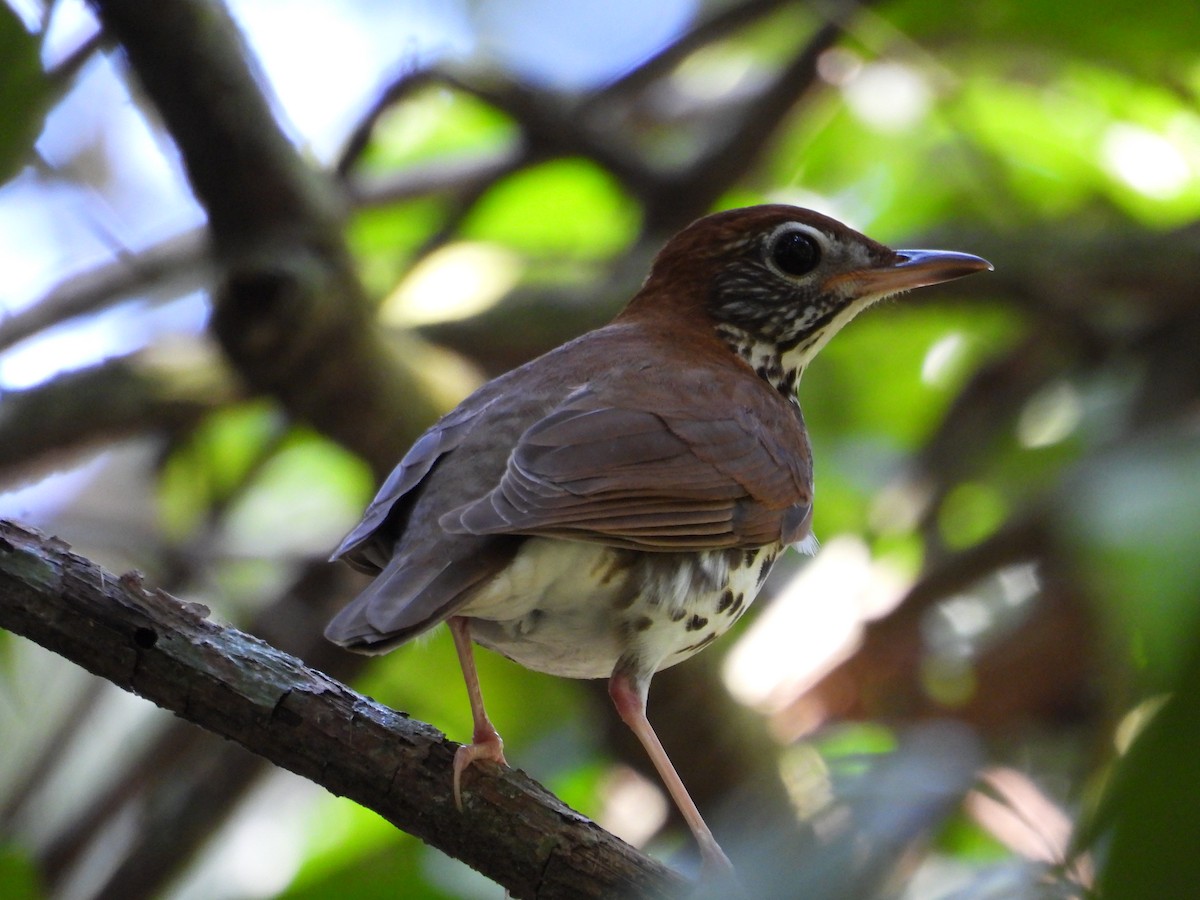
(235, 685)
(291, 314)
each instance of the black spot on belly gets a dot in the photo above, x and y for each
(626, 596)
(749, 557)
(738, 602)
(642, 623)
(695, 623)
(677, 614)
(726, 601)
(768, 561)
(699, 645)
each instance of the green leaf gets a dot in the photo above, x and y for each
(1153, 801)
(965, 839)
(384, 239)
(568, 207)
(18, 875)
(25, 93)
(214, 462)
(971, 512)
(433, 124)
(301, 499)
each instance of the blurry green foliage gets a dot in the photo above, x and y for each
(850, 745)
(878, 376)
(436, 124)
(1148, 43)
(354, 853)
(1056, 146)
(385, 238)
(971, 512)
(874, 395)
(570, 208)
(1134, 515)
(303, 496)
(964, 839)
(214, 462)
(18, 876)
(279, 490)
(26, 92)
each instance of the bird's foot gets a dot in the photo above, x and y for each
(486, 745)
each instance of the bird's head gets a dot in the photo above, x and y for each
(779, 281)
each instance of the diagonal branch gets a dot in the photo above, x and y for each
(177, 264)
(290, 312)
(43, 425)
(242, 688)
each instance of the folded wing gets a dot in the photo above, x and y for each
(689, 475)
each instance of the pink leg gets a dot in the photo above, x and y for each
(630, 699)
(486, 743)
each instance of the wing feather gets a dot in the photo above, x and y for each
(369, 545)
(635, 469)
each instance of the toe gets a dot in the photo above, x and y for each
(491, 749)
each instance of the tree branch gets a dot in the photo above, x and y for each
(182, 787)
(290, 313)
(181, 258)
(79, 410)
(242, 688)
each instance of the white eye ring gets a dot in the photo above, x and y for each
(794, 250)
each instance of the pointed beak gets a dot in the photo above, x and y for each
(913, 269)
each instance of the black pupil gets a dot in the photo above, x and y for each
(795, 253)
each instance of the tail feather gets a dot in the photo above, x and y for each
(412, 595)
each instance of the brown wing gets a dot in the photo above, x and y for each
(675, 464)
(370, 544)
(421, 574)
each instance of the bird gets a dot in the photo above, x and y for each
(613, 506)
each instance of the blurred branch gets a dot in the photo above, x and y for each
(720, 24)
(291, 314)
(405, 84)
(443, 176)
(554, 125)
(742, 142)
(1040, 667)
(120, 397)
(180, 257)
(242, 688)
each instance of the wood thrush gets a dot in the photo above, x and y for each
(614, 506)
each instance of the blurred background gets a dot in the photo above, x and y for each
(214, 341)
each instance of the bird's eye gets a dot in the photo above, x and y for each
(795, 253)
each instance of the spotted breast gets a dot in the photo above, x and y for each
(574, 609)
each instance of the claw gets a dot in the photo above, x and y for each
(485, 746)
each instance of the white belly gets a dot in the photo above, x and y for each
(574, 609)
